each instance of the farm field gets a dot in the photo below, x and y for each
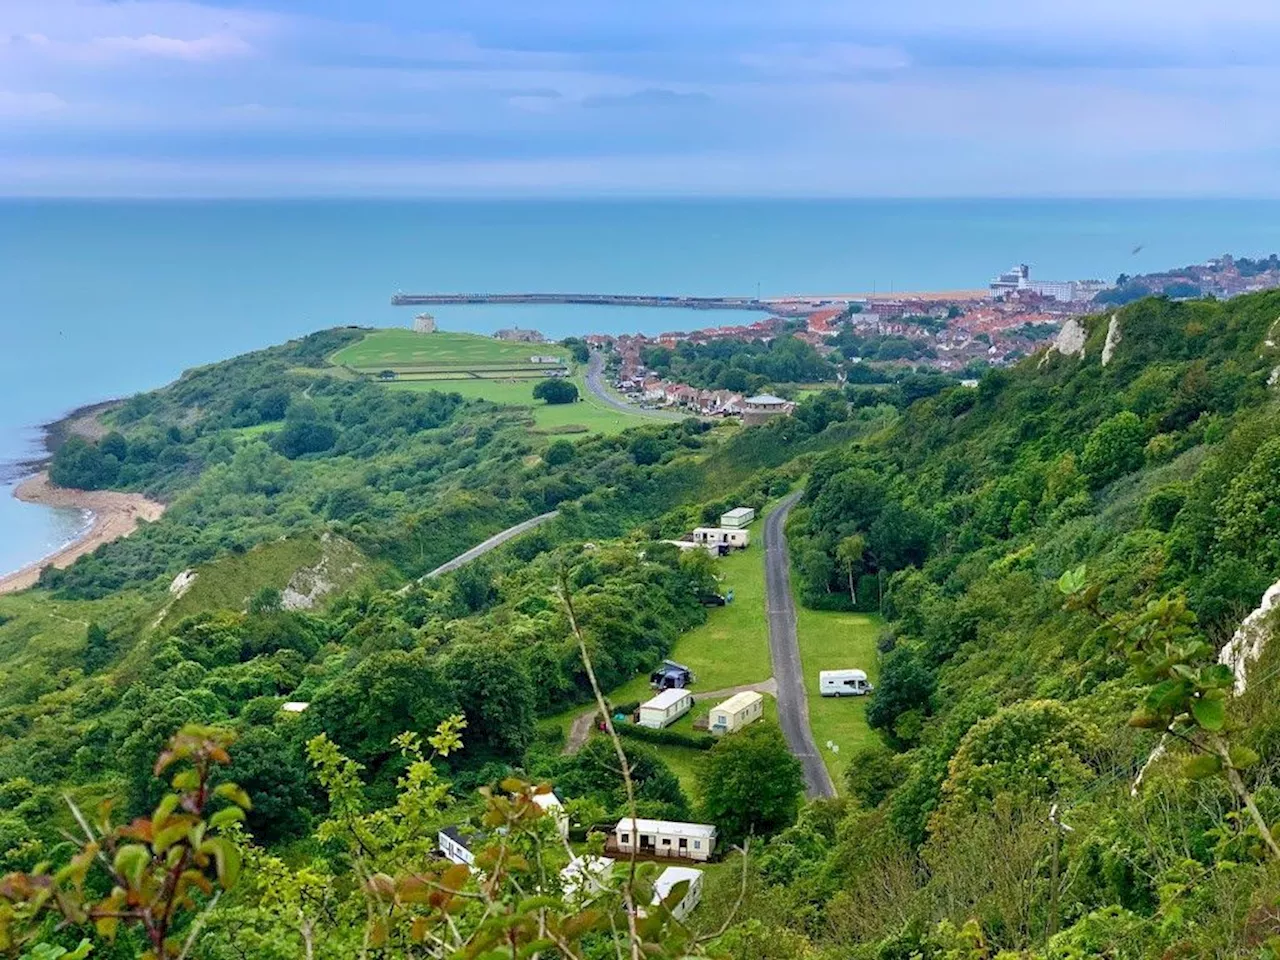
(589, 415)
(401, 348)
(832, 640)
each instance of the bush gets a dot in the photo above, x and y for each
(666, 738)
(555, 390)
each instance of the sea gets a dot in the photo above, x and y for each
(101, 299)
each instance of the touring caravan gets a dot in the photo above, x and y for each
(844, 683)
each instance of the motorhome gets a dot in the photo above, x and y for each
(844, 683)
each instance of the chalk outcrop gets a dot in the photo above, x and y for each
(1248, 642)
(1113, 339)
(1070, 340)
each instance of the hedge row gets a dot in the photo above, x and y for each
(667, 738)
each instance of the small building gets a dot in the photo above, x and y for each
(843, 683)
(665, 709)
(721, 539)
(457, 846)
(666, 883)
(738, 518)
(536, 358)
(764, 407)
(665, 838)
(553, 808)
(296, 706)
(516, 335)
(671, 674)
(736, 712)
(424, 323)
(585, 878)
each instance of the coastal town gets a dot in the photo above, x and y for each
(956, 333)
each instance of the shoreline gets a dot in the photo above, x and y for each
(113, 515)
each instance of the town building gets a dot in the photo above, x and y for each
(457, 846)
(736, 712)
(737, 518)
(762, 408)
(665, 838)
(665, 708)
(424, 323)
(666, 883)
(671, 675)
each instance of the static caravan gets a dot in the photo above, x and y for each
(666, 708)
(457, 846)
(738, 518)
(553, 808)
(585, 878)
(666, 883)
(721, 539)
(736, 712)
(665, 838)
(844, 683)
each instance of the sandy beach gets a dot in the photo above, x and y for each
(115, 515)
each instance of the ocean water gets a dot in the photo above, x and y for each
(102, 299)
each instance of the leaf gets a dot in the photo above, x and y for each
(1144, 719)
(1210, 714)
(170, 835)
(225, 817)
(227, 859)
(1073, 581)
(1201, 766)
(1242, 757)
(130, 860)
(234, 793)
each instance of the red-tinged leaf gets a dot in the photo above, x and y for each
(455, 877)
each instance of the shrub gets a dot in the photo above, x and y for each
(666, 738)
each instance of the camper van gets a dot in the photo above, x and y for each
(844, 683)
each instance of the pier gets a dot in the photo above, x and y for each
(587, 299)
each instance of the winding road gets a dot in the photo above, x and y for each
(595, 383)
(784, 648)
(497, 540)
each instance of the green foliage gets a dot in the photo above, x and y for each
(1113, 449)
(555, 390)
(669, 738)
(750, 784)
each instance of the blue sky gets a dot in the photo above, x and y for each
(565, 97)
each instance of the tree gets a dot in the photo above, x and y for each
(97, 648)
(1113, 449)
(646, 450)
(750, 783)
(849, 552)
(560, 452)
(81, 465)
(494, 691)
(906, 684)
(306, 430)
(555, 390)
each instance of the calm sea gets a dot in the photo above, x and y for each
(101, 299)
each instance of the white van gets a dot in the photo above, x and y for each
(844, 683)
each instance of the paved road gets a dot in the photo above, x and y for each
(595, 383)
(784, 647)
(497, 540)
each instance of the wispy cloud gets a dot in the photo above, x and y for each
(773, 96)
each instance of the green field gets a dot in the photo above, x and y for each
(730, 649)
(589, 415)
(835, 641)
(389, 349)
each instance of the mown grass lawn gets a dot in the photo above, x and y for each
(837, 641)
(405, 348)
(589, 415)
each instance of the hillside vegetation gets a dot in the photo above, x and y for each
(1046, 566)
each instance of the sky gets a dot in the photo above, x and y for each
(863, 98)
